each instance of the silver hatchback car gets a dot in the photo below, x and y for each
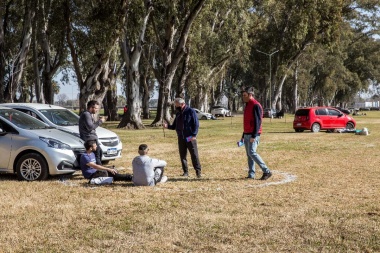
(34, 150)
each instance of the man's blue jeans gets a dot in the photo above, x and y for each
(253, 156)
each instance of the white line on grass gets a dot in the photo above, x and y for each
(288, 178)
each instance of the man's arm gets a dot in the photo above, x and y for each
(195, 122)
(257, 118)
(87, 120)
(99, 167)
(157, 163)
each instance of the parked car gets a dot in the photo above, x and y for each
(220, 111)
(346, 111)
(203, 115)
(34, 150)
(269, 113)
(67, 121)
(321, 118)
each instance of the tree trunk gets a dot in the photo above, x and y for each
(110, 104)
(18, 67)
(145, 97)
(295, 89)
(132, 119)
(172, 55)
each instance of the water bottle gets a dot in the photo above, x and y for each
(240, 143)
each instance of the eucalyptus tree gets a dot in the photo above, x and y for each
(172, 22)
(50, 50)
(131, 48)
(16, 29)
(93, 29)
(292, 26)
(220, 35)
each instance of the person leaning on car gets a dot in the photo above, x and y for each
(253, 115)
(92, 170)
(87, 126)
(186, 125)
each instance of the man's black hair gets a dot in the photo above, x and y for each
(92, 103)
(249, 90)
(88, 144)
(143, 147)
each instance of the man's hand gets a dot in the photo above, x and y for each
(252, 140)
(113, 171)
(103, 118)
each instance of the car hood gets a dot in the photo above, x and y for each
(66, 138)
(100, 131)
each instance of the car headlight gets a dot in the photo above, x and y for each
(53, 143)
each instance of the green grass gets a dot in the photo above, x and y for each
(331, 206)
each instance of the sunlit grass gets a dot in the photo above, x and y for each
(332, 206)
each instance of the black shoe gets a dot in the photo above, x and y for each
(185, 174)
(199, 174)
(249, 177)
(266, 176)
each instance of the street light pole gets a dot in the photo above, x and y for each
(270, 74)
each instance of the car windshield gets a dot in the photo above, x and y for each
(21, 119)
(61, 117)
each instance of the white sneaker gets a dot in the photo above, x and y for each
(163, 179)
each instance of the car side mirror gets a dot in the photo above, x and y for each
(2, 132)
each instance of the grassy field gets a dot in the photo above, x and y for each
(323, 197)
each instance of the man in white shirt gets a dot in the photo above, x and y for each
(147, 171)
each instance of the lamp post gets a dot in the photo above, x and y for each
(270, 74)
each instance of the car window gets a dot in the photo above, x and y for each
(321, 111)
(29, 112)
(61, 117)
(21, 119)
(302, 112)
(334, 112)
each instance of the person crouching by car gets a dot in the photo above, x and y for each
(147, 171)
(92, 170)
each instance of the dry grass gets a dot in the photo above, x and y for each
(331, 206)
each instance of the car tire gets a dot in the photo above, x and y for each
(204, 117)
(350, 125)
(315, 128)
(31, 167)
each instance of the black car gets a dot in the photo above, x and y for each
(345, 111)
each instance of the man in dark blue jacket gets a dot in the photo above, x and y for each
(186, 125)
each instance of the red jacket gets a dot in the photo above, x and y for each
(253, 114)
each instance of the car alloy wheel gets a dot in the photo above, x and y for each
(31, 167)
(315, 128)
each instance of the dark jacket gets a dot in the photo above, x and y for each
(185, 123)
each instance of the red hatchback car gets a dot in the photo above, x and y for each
(321, 118)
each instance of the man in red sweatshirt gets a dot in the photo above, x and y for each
(253, 115)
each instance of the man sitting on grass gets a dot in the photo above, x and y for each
(92, 170)
(147, 171)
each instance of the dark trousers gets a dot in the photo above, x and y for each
(98, 153)
(183, 146)
(116, 177)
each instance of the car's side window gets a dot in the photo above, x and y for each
(321, 111)
(333, 112)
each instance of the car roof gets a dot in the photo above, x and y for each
(36, 106)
